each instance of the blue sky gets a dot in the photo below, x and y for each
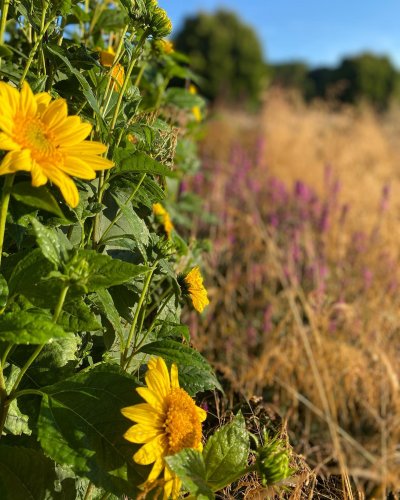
(319, 32)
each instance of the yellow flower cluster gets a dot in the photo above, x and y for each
(195, 288)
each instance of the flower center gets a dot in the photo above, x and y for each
(32, 134)
(182, 424)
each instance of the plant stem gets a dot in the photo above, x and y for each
(136, 316)
(34, 49)
(5, 199)
(4, 13)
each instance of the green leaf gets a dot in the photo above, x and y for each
(3, 291)
(25, 474)
(77, 317)
(29, 328)
(189, 466)
(105, 303)
(137, 226)
(195, 374)
(139, 162)
(48, 241)
(16, 422)
(59, 52)
(37, 197)
(80, 424)
(226, 453)
(104, 271)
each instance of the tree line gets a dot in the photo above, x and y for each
(227, 56)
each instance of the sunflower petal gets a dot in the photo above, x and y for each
(151, 451)
(142, 414)
(7, 143)
(65, 184)
(16, 160)
(152, 398)
(38, 176)
(142, 433)
(27, 102)
(71, 131)
(174, 376)
(78, 168)
(202, 414)
(55, 113)
(157, 468)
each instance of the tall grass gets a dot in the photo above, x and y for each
(304, 278)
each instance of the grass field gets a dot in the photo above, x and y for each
(304, 279)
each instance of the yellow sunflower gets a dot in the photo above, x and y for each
(167, 423)
(192, 284)
(42, 139)
(160, 212)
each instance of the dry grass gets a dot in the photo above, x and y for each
(304, 279)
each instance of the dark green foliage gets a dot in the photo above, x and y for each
(226, 53)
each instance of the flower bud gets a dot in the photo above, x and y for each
(273, 461)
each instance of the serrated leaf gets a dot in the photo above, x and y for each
(104, 271)
(3, 291)
(136, 225)
(25, 474)
(195, 374)
(139, 162)
(77, 317)
(226, 453)
(81, 425)
(105, 303)
(189, 466)
(16, 422)
(29, 328)
(48, 241)
(37, 197)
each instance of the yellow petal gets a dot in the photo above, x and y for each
(27, 102)
(7, 143)
(158, 466)
(154, 399)
(202, 414)
(16, 160)
(55, 113)
(88, 148)
(174, 376)
(10, 95)
(142, 414)
(71, 131)
(65, 184)
(172, 485)
(142, 433)
(42, 100)
(151, 451)
(157, 382)
(38, 176)
(78, 168)
(97, 162)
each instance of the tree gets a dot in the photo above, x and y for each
(226, 53)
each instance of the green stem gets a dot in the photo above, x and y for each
(119, 212)
(34, 49)
(4, 13)
(5, 199)
(136, 347)
(146, 285)
(26, 392)
(5, 354)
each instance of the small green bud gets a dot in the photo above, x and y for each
(77, 271)
(273, 461)
(161, 25)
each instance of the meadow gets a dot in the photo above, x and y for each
(302, 207)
